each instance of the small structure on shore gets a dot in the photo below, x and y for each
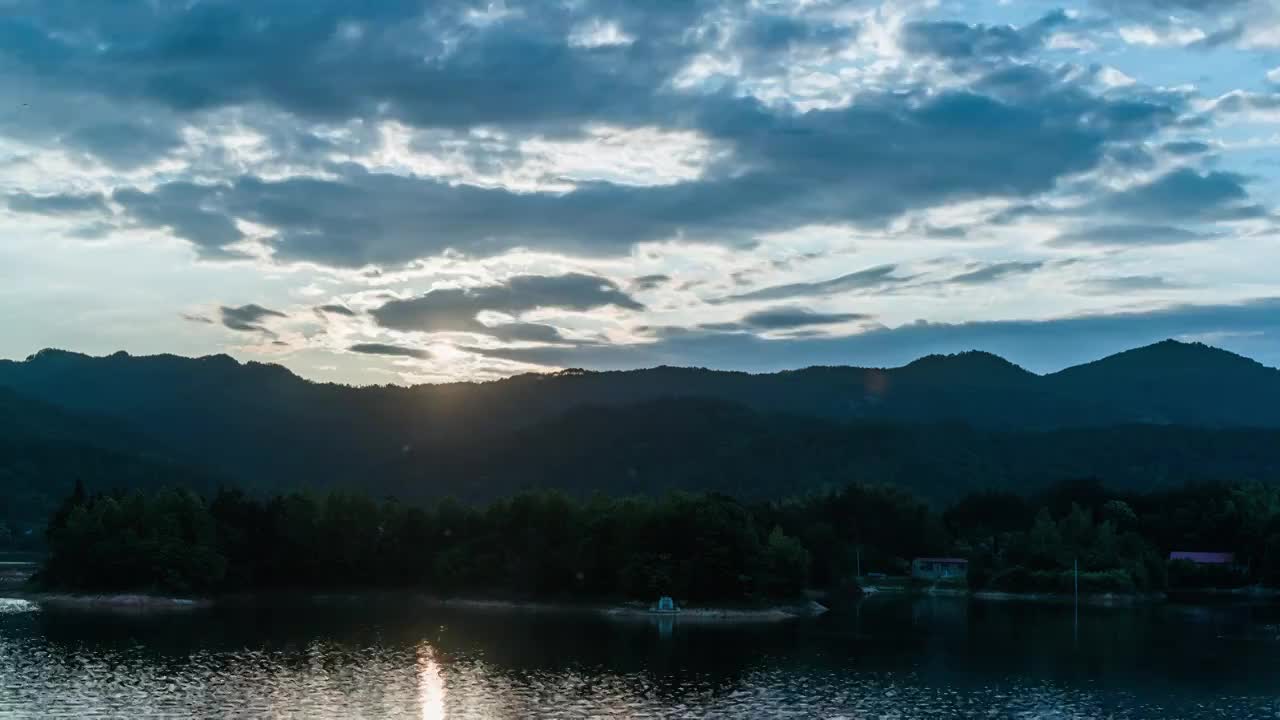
(1203, 558)
(937, 568)
(665, 606)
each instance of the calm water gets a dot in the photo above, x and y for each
(923, 658)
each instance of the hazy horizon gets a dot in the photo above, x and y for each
(852, 362)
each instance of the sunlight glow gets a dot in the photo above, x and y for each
(430, 684)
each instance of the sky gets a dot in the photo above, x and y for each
(404, 192)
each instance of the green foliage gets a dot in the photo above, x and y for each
(1019, 579)
(1119, 513)
(1121, 541)
(163, 541)
(695, 547)
(1046, 558)
(878, 527)
(786, 564)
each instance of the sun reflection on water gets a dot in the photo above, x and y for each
(430, 684)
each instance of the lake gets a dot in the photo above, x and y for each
(883, 658)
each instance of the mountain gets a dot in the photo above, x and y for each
(44, 450)
(940, 422)
(1180, 383)
(711, 445)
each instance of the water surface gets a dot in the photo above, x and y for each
(886, 658)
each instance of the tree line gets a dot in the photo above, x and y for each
(537, 544)
(698, 548)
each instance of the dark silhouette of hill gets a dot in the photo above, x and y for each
(22, 418)
(1184, 383)
(712, 445)
(939, 424)
(44, 450)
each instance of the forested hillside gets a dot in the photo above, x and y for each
(44, 451)
(941, 426)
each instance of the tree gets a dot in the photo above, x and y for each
(786, 565)
(1119, 513)
(1044, 543)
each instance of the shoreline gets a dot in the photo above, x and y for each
(1107, 599)
(113, 602)
(1093, 599)
(614, 611)
(1248, 592)
(148, 602)
(142, 602)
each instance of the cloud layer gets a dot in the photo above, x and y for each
(460, 189)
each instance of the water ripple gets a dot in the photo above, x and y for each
(73, 667)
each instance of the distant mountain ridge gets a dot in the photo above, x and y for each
(264, 426)
(1166, 383)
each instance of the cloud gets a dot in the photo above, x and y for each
(261, 130)
(650, 282)
(392, 350)
(93, 231)
(1015, 133)
(427, 63)
(1273, 76)
(1224, 36)
(369, 218)
(337, 310)
(190, 317)
(523, 332)
(184, 209)
(1186, 194)
(783, 318)
(962, 41)
(882, 278)
(455, 310)
(1125, 284)
(771, 37)
(868, 279)
(1196, 24)
(126, 145)
(1187, 147)
(1122, 235)
(57, 204)
(442, 64)
(1163, 32)
(248, 318)
(134, 83)
(1253, 328)
(993, 272)
(1164, 7)
(946, 233)
(1240, 102)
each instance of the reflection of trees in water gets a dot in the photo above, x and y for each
(379, 655)
(527, 647)
(508, 648)
(1213, 648)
